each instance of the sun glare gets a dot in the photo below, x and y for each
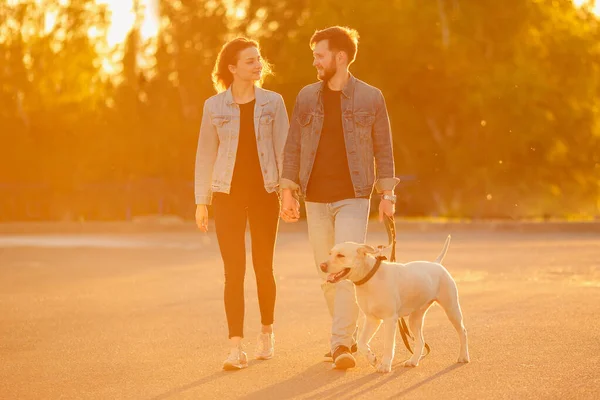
(123, 19)
(595, 8)
(151, 23)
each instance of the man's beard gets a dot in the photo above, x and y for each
(328, 72)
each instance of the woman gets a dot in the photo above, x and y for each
(238, 165)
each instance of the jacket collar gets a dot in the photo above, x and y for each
(348, 88)
(259, 94)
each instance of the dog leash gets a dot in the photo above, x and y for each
(390, 227)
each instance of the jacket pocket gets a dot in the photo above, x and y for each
(265, 126)
(363, 125)
(364, 120)
(266, 119)
(221, 123)
(220, 120)
(305, 119)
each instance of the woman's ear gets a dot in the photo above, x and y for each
(232, 68)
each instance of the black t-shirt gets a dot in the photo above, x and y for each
(330, 179)
(247, 174)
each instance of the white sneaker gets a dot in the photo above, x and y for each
(237, 359)
(265, 346)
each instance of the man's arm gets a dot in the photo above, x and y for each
(281, 127)
(291, 155)
(383, 149)
(289, 183)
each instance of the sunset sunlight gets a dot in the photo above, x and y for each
(595, 7)
(387, 165)
(123, 19)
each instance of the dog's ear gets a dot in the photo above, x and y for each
(366, 249)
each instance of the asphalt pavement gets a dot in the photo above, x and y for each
(119, 313)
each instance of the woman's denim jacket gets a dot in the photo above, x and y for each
(219, 137)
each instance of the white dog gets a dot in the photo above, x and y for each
(387, 291)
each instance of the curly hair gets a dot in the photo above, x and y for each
(221, 76)
(340, 38)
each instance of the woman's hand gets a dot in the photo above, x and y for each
(202, 217)
(290, 207)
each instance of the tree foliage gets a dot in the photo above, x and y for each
(494, 105)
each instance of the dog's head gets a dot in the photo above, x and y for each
(347, 261)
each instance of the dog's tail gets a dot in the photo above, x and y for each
(444, 250)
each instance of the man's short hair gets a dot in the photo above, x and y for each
(340, 38)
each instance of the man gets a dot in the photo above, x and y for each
(339, 148)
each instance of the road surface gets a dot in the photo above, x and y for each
(139, 315)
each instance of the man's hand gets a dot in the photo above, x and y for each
(202, 217)
(290, 207)
(386, 207)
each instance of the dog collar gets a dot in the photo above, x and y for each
(372, 272)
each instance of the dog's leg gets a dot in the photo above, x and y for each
(415, 323)
(368, 331)
(450, 304)
(389, 343)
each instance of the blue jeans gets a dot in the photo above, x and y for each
(329, 224)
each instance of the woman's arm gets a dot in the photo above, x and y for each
(206, 154)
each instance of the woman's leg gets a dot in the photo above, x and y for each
(263, 216)
(230, 225)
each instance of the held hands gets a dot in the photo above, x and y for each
(202, 217)
(290, 207)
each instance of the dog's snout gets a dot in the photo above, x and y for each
(323, 266)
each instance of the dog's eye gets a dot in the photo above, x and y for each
(339, 255)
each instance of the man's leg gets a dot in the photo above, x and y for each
(321, 235)
(351, 219)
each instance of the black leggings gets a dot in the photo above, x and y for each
(230, 214)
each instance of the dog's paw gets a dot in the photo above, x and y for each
(372, 358)
(410, 363)
(384, 368)
(368, 353)
(463, 359)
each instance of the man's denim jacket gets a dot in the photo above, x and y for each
(367, 136)
(219, 137)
